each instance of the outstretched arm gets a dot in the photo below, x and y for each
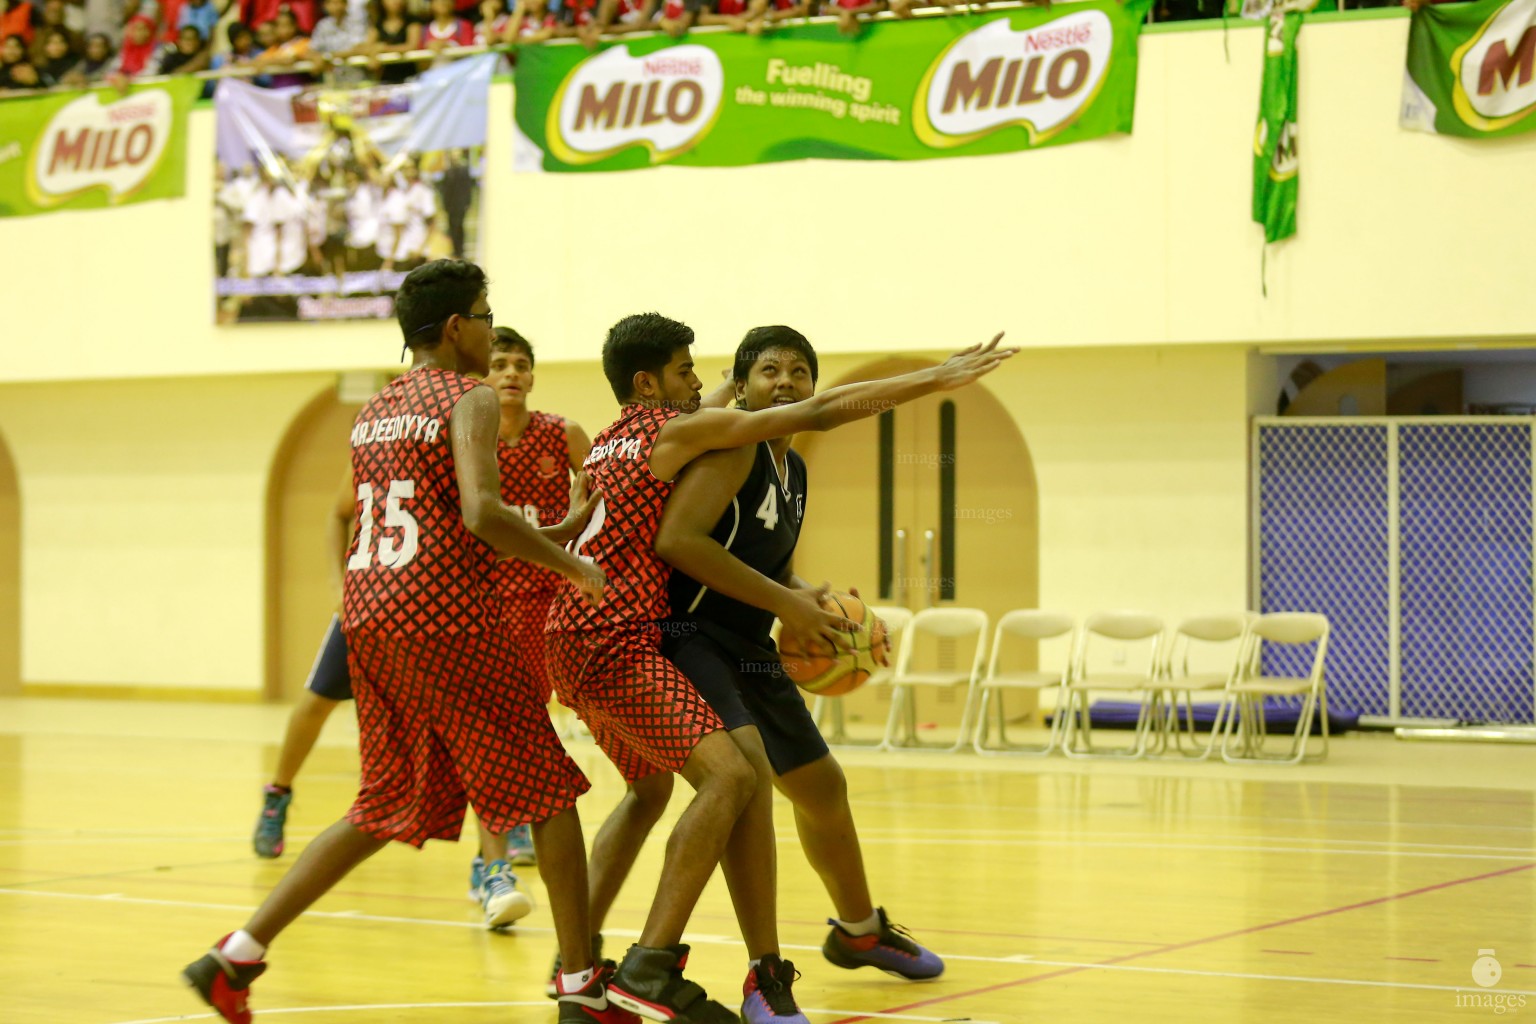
(686, 437)
(472, 427)
(701, 496)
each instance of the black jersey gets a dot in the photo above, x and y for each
(761, 528)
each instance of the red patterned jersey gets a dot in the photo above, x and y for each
(621, 536)
(413, 567)
(536, 479)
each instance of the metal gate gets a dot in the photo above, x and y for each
(1414, 537)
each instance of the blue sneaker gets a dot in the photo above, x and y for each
(766, 995)
(520, 849)
(268, 840)
(891, 949)
(476, 879)
(503, 901)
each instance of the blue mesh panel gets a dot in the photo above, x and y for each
(1465, 544)
(1323, 535)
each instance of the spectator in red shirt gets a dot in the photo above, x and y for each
(16, 20)
(446, 29)
(259, 12)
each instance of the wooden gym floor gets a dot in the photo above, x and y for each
(1362, 888)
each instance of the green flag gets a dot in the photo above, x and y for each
(1275, 181)
(75, 151)
(1472, 69)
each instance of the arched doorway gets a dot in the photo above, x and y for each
(10, 575)
(933, 503)
(308, 478)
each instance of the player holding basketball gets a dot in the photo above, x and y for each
(606, 662)
(444, 714)
(730, 530)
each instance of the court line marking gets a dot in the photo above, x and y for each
(1174, 947)
(373, 1007)
(1428, 851)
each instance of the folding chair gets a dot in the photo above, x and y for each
(956, 624)
(1027, 624)
(1118, 627)
(828, 711)
(1245, 728)
(1191, 635)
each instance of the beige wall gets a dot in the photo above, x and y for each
(142, 542)
(1138, 239)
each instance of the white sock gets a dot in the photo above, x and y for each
(868, 926)
(575, 982)
(752, 964)
(241, 948)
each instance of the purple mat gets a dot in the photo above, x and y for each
(1280, 716)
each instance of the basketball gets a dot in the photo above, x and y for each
(845, 671)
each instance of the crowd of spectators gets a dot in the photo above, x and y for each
(78, 43)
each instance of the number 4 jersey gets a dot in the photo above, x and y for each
(413, 567)
(761, 527)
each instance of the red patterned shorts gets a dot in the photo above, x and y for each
(642, 711)
(450, 719)
(525, 616)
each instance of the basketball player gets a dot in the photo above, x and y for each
(730, 530)
(606, 662)
(534, 449)
(538, 452)
(444, 715)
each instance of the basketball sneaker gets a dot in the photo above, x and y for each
(224, 983)
(650, 983)
(890, 948)
(767, 998)
(520, 849)
(590, 1002)
(503, 901)
(268, 840)
(477, 879)
(550, 987)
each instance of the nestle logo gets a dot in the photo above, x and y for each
(672, 67)
(136, 112)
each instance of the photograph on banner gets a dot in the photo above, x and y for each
(80, 151)
(963, 85)
(325, 199)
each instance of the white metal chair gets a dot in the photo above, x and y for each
(1177, 680)
(1027, 624)
(1245, 729)
(955, 624)
(828, 711)
(1121, 627)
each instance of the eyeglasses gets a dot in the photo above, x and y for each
(487, 316)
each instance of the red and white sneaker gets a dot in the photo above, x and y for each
(224, 983)
(590, 1002)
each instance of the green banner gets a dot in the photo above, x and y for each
(904, 90)
(1275, 180)
(1472, 69)
(78, 151)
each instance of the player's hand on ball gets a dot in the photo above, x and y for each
(821, 631)
(972, 363)
(881, 652)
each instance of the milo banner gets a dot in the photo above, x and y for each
(326, 198)
(1472, 69)
(909, 90)
(78, 151)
